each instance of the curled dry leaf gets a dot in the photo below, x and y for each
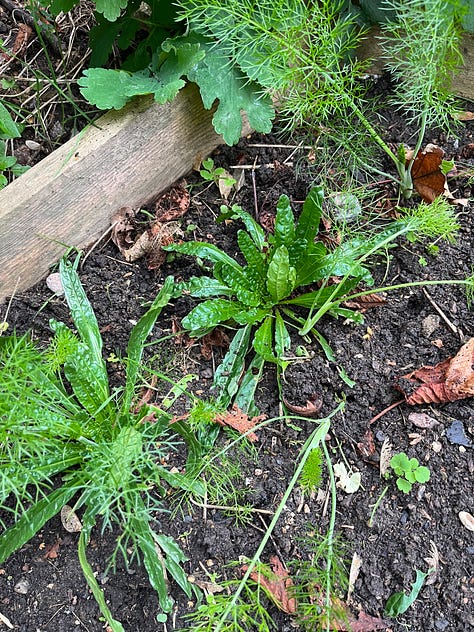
(349, 483)
(386, 453)
(69, 520)
(240, 421)
(362, 303)
(367, 446)
(216, 338)
(311, 409)
(172, 204)
(433, 562)
(428, 179)
(277, 582)
(467, 520)
(464, 116)
(353, 574)
(448, 381)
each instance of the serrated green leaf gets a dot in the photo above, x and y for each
(281, 277)
(217, 78)
(230, 370)
(399, 602)
(284, 231)
(105, 88)
(207, 315)
(110, 8)
(263, 340)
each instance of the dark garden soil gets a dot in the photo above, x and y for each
(42, 588)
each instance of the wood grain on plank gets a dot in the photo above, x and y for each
(67, 199)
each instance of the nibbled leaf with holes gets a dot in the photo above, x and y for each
(229, 371)
(208, 314)
(263, 340)
(284, 231)
(281, 277)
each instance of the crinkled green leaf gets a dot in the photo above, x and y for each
(254, 257)
(263, 340)
(284, 231)
(281, 277)
(254, 229)
(208, 314)
(399, 602)
(251, 316)
(307, 227)
(240, 283)
(230, 370)
(202, 287)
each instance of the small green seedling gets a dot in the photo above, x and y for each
(218, 175)
(408, 471)
(399, 602)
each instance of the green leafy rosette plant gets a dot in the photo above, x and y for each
(67, 439)
(262, 296)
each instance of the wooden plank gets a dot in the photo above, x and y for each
(128, 158)
(463, 81)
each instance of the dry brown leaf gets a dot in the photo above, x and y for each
(311, 409)
(52, 550)
(464, 116)
(353, 574)
(216, 338)
(467, 520)
(428, 180)
(239, 421)
(448, 381)
(69, 520)
(433, 562)
(386, 452)
(422, 420)
(277, 582)
(367, 445)
(362, 303)
(172, 204)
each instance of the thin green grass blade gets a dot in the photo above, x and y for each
(115, 625)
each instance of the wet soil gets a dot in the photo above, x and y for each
(415, 327)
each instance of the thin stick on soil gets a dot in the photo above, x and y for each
(229, 508)
(384, 411)
(453, 327)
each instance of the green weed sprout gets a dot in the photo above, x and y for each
(408, 472)
(260, 297)
(67, 439)
(8, 130)
(218, 175)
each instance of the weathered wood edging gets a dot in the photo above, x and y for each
(67, 199)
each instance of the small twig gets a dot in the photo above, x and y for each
(453, 327)
(226, 508)
(385, 410)
(254, 185)
(96, 243)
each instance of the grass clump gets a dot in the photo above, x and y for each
(67, 439)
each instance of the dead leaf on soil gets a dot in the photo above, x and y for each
(433, 562)
(353, 574)
(422, 420)
(311, 409)
(172, 204)
(367, 445)
(348, 482)
(240, 421)
(362, 303)
(52, 550)
(216, 338)
(426, 174)
(69, 520)
(467, 520)
(277, 582)
(464, 116)
(386, 453)
(448, 381)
